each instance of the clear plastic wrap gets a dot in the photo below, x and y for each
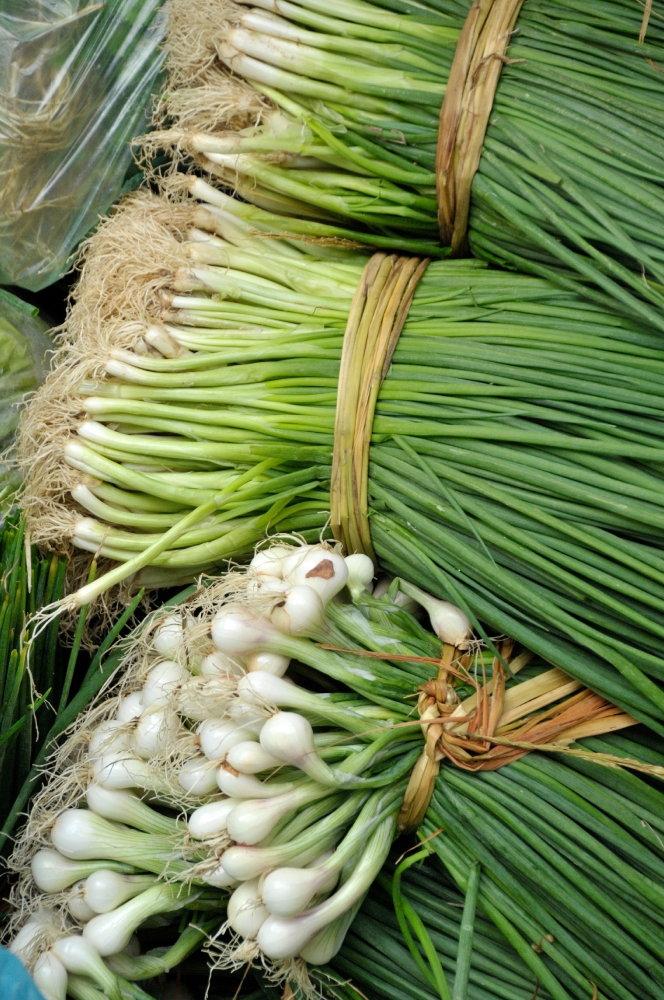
(24, 359)
(76, 80)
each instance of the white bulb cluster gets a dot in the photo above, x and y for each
(220, 734)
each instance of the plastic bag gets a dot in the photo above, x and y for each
(76, 80)
(24, 362)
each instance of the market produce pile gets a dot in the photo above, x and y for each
(372, 364)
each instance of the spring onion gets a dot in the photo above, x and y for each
(347, 103)
(540, 520)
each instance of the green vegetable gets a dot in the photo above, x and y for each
(515, 465)
(570, 180)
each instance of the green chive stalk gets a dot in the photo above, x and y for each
(570, 180)
(36, 671)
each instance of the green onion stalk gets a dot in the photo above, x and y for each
(515, 466)
(570, 182)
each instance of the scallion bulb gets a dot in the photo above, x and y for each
(219, 663)
(300, 612)
(220, 879)
(155, 730)
(53, 872)
(251, 758)
(269, 562)
(321, 569)
(271, 663)
(162, 682)
(50, 977)
(236, 629)
(80, 957)
(130, 707)
(246, 911)
(450, 623)
(109, 737)
(169, 635)
(105, 890)
(252, 820)
(244, 786)
(31, 933)
(216, 737)
(361, 572)
(289, 891)
(198, 776)
(209, 821)
(77, 904)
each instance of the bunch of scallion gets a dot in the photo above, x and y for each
(570, 180)
(516, 458)
(205, 769)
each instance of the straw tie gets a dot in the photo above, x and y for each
(464, 115)
(377, 315)
(496, 726)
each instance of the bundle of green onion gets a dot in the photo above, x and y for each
(206, 770)
(543, 520)
(570, 180)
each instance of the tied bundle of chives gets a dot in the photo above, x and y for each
(570, 180)
(543, 520)
(312, 782)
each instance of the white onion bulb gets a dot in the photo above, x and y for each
(271, 663)
(450, 623)
(300, 612)
(236, 629)
(154, 731)
(216, 737)
(168, 637)
(246, 911)
(105, 890)
(251, 758)
(109, 737)
(209, 821)
(198, 776)
(289, 891)
(130, 707)
(361, 572)
(219, 663)
(321, 569)
(220, 879)
(77, 905)
(50, 977)
(269, 562)
(54, 873)
(244, 786)
(161, 683)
